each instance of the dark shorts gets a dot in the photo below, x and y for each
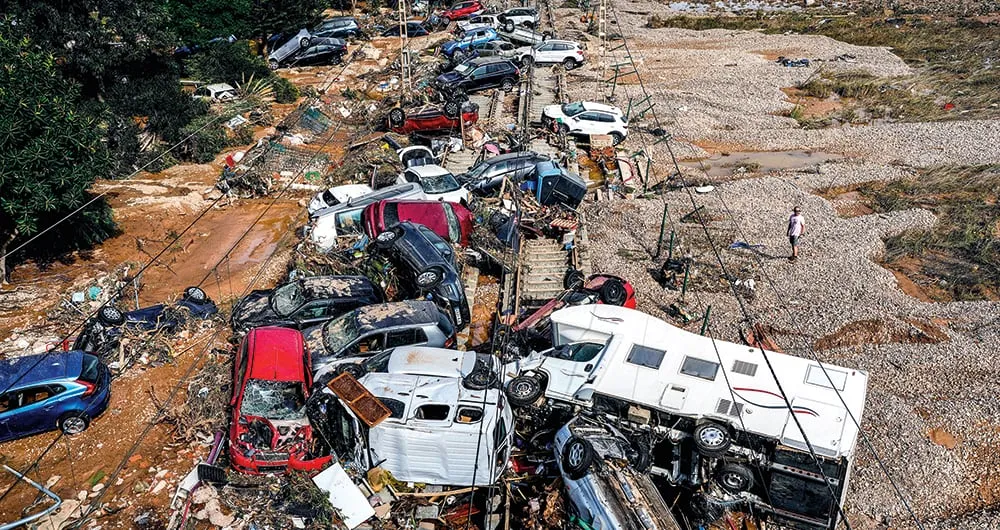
(794, 240)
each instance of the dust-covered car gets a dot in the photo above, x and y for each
(605, 475)
(304, 302)
(103, 331)
(448, 423)
(375, 328)
(269, 431)
(425, 265)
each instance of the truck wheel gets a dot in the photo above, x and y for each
(73, 423)
(524, 390)
(397, 117)
(195, 294)
(577, 455)
(712, 439)
(110, 315)
(613, 292)
(481, 379)
(452, 109)
(574, 279)
(735, 478)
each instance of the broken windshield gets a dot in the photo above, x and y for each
(274, 400)
(442, 183)
(287, 298)
(340, 332)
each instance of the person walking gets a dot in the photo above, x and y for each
(796, 229)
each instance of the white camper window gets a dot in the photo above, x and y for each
(696, 367)
(645, 356)
(468, 415)
(432, 412)
(815, 376)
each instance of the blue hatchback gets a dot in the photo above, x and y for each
(59, 390)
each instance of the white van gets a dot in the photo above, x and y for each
(702, 400)
(450, 424)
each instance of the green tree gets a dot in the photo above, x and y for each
(198, 21)
(50, 153)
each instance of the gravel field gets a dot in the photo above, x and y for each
(932, 412)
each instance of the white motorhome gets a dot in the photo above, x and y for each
(449, 424)
(699, 399)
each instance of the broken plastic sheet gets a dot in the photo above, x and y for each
(344, 495)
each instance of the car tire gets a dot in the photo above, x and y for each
(524, 390)
(110, 315)
(573, 279)
(612, 292)
(304, 42)
(357, 370)
(643, 456)
(735, 478)
(350, 35)
(577, 456)
(507, 85)
(273, 64)
(445, 21)
(452, 109)
(527, 61)
(508, 26)
(73, 423)
(568, 63)
(196, 295)
(388, 238)
(481, 379)
(546, 36)
(562, 128)
(429, 278)
(712, 439)
(397, 117)
(617, 138)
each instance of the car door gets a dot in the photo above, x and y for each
(311, 313)
(405, 337)
(30, 410)
(589, 123)
(569, 367)
(543, 53)
(364, 346)
(479, 78)
(310, 56)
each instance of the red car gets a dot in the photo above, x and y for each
(597, 289)
(460, 10)
(433, 118)
(270, 432)
(449, 220)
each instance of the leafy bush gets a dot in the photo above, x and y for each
(206, 139)
(284, 90)
(242, 135)
(225, 62)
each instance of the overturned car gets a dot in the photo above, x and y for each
(304, 302)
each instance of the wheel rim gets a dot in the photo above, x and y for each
(385, 237)
(733, 481)
(712, 437)
(112, 313)
(426, 278)
(74, 425)
(575, 455)
(522, 389)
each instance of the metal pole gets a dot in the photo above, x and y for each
(670, 251)
(687, 273)
(704, 324)
(663, 227)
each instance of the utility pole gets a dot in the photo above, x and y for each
(602, 34)
(404, 45)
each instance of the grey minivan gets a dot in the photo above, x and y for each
(374, 328)
(486, 177)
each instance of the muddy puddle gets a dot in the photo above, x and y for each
(729, 163)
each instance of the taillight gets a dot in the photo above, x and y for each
(450, 342)
(89, 387)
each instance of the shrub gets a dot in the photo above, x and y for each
(284, 90)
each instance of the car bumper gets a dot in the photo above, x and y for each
(252, 466)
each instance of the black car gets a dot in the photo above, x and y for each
(413, 29)
(102, 333)
(304, 302)
(331, 51)
(427, 262)
(487, 176)
(479, 74)
(339, 27)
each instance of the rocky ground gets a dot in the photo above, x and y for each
(931, 414)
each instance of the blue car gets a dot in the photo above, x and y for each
(102, 332)
(469, 39)
(58, 390)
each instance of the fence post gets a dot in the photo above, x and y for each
(663, 227)
(704, 324)
(687, 273)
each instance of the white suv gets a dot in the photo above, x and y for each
(518, 16)
(565, 52)
(437, 182)
(584, 118)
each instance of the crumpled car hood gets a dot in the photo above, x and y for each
(254, 307)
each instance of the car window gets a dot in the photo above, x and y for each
(370, 343)
(410, 176)
(546, 47)
(287, 298)
(275, 400)
(443, 183)
(348, 222)
(396, 408)
(591, 116)
(572, 109)
(314, 309)
(467, 414)
(404, 337)
(432, 412)
(90, 371)
(454, 229)
(30, 396)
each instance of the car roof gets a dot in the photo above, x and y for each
(220, 86)
(29, 370)
(341, 286)
(438, 362)
(408, 312)
(420, 249)
(588, 105)
(479, 61)
(277, 354)
(558, 41)
(429, 170)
